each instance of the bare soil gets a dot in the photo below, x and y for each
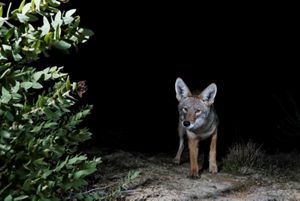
(161, 180)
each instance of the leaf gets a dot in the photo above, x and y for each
(68, 20)
(16, 96)
(18, 105)
(32, 5)
(21, 6)
(22, 197)
(46, 70)
(77, 159)
(37, 48)
(26, 8)
(26, 165)
(5, 148)
(74, 86)
(5, 72)
(47, 77)
(52, 69)
(68, 83)
(9, 33)
(69, 13)
(44, 188)
(86, 32)
(9, 116)
(37, 4)
(16, 88)
(26, 85)
(68, 16)
(2, 20)
(48, 38)
(22, 18)
(8, 198)
(5, 134)
(77, 22)
(6, 96)
(6, 47)
(63, 45)
(46, 27)
(41, 101)
(1, 10)
(86, 112)
(50, 124)
(46, 173)
(39, 162)
(32, 18)
(37, 75)
(55, 3)
(31, 28)
(57, 33)
(60, 164)
(17, 57)
(57, 20)
(16, 47)
(49, 113)
(37, 128)
(36, 85)
(83, 173)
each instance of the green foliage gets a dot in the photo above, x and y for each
(35, 27)
(39, 123)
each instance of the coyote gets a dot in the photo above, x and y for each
(197, 119)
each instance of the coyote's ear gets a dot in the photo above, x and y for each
(181, 89)
(208, 95)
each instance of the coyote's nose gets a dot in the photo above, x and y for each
(186, 123)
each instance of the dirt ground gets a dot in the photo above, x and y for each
(161, 180)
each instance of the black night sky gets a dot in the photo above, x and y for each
(138, 51)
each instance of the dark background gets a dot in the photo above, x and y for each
(138, 51)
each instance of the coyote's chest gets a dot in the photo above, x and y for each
(201, 134)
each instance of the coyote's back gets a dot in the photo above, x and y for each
(197, 119)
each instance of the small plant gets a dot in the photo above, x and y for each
(244, 158)
(111, 192)
(117, 190)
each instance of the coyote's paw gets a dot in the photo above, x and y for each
(176, 161)
(194, 176)
(213, 168)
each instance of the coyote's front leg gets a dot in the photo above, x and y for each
(181, 132)
(213, 168)
(193, 149)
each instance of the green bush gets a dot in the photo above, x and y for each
(39, 121)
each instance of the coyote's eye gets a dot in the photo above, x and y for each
(198, 112)
(184, 110)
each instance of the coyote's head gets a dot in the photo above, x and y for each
(194, 109)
